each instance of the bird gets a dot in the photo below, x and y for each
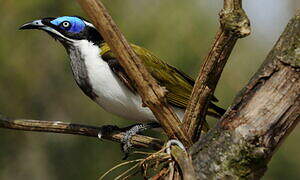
(98, 73)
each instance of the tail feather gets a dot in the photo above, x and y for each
(214, 111)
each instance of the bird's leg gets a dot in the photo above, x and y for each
(133, 130)
(129, 132)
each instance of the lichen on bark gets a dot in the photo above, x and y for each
(232, 156)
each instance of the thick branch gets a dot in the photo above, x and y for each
(261, 117)
(234, 25)
(137, 141)
(152, 94)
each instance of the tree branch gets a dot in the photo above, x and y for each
(137, 141)
(185, 163)
(152, 94)
(261, 117)
(234, 24)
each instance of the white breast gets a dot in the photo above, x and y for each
(113, 95)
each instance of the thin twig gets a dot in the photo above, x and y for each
(119, 165)
(127, 171)
(151, 159)
(161, 174)
(152, 94)
(138, 141)
(234, 25)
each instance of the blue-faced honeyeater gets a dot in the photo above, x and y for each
(100, 76)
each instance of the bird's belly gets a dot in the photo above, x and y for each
(113, 96)
(129, 108)
(122, 102)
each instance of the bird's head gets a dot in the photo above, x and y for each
(67, 29)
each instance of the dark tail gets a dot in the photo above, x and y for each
(214, 111)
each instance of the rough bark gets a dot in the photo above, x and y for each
(261, 117)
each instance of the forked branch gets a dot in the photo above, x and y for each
(234, 24)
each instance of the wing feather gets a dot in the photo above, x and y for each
(178, 84)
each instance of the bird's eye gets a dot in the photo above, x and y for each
(66, 24)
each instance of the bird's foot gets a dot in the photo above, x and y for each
(107, 129)
(131, 131)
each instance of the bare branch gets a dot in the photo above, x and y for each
(261, 117)
(152, 94)
(137, 141)
(234, 25)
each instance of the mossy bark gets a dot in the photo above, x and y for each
(262, 115)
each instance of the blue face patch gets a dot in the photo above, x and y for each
(69, 23)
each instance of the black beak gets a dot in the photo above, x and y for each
(45, 25)
(37, 24)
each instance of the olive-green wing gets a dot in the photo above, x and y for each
(178, 84)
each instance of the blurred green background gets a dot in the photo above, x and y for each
(36, 81)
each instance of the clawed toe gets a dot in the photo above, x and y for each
(129, 132)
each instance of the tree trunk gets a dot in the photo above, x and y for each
(261, 117)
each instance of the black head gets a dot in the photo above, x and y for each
(67, 29)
